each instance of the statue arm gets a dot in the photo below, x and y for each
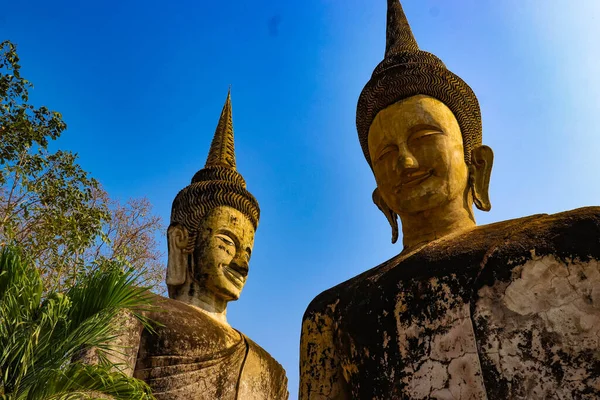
(125, 345)
(320, 371)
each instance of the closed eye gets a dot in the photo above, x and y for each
(226, 240)
(388, 150)
(424, 132)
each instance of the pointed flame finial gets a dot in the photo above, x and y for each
(399, 36)
(222, 151)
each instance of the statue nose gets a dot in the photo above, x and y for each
(406, 160)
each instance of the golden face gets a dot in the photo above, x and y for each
(417, 154)
(222, 252)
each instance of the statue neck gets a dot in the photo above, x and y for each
(191, 293)
(425, 226)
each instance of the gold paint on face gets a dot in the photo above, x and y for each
(417, 155)
(222, 252)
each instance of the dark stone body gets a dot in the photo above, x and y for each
(191, 356)
(507, 310)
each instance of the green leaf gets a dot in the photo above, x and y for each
(39, 339)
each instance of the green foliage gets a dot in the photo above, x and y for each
(45, 198)
(40, 337)
(49, 205)
(23, 125)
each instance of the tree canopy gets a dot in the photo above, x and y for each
(50, 206)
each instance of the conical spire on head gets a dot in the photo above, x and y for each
(217, 184)
(400, 44)
(399, 36)
(407, 71)
(222, 150)
(220, 163)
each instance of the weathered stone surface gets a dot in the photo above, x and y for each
(195, 353)
(194, 356)
(539, 332)
(507, 310)
(504, 311)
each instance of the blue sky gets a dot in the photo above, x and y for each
(141, 86)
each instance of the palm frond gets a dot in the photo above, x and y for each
(20, 295)
(78, 381)
(109, 287)
(40, 338)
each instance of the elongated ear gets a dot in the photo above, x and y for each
(177, 238)
(391, 216)
(480, 171)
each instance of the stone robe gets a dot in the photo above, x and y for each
(192, 356)
(509, 310)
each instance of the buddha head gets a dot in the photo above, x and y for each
(419, 126)
(213, 221)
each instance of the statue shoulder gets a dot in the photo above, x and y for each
(273, 379)
(164, 303)
(324, 304)
(568, 235)
(574, 233)
(174, 318)
(585, 218)
(266, 358)
(164, 308)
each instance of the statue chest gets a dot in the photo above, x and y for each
(506, 329)
(411, 338)
(190, 356)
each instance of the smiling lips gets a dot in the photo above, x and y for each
(414, 178)
(238, 278)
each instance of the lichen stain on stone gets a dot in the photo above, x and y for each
(441, 347)
(386, 339)
(333, 306)
(540, 332)
(467, 318)
(348, 370)
(317, 349)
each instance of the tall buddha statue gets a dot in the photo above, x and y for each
(194, 353)
(509, 310)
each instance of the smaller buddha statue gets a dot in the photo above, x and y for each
(194, 353)
(509, 310)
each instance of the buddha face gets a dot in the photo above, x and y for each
(222, 252)
(417, 154)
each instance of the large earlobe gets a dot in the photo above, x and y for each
(391, 216)
(480, 171)
(177, 238)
